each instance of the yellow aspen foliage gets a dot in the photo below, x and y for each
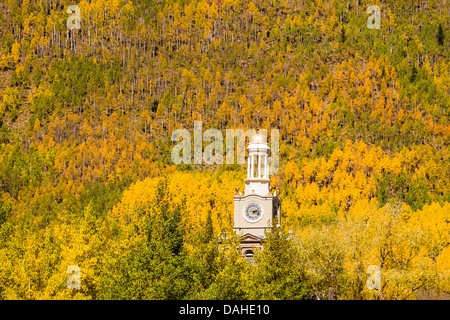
(86, 117)
(291, 171)
(434, 219)
(15, 53)
(443, 260)
(324, 171)
(336, 156)
(310, 193)
(200, 192)
(362, 209)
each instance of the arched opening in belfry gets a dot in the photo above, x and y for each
(249, 256)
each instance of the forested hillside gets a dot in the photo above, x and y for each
(86, 117)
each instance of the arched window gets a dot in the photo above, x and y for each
(249, 256)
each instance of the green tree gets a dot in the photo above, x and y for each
(205, 258)
(231, 280)
(277, 272)
(156, 266)
(440, 35)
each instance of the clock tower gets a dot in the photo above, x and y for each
(257, 208)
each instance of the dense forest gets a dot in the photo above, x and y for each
(86, 177)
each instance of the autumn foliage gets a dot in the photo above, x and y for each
(86, 176)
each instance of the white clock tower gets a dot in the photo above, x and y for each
(257, 208)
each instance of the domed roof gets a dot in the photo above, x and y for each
(258, 139)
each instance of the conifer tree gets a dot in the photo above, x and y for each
(277, 271)
(440, 35)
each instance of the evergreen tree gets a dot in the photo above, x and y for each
(231, 282)
(205, 258)
(343, 35)
(413, 76)
(440, 35)
(277, 272)
(157, 267)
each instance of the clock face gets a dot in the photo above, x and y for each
(253, 212)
